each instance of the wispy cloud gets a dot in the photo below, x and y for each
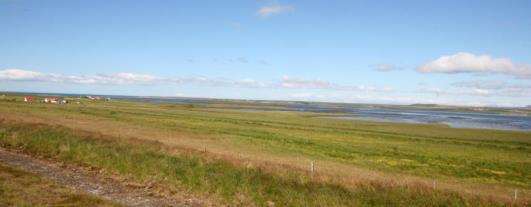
(288, 82)
(125, 79)
(495, 88)
(118, 78)
(238, 60)
(463, 62)
(20, 75)
(235, 25)
(485, 88)
(453, 91)
(264, 62)
(242, 60)
(385, 67)
(298, 83)
(267, 11)
(135, 79)
(219, 82)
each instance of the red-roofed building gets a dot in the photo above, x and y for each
(28, 99)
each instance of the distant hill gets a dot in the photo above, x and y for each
(424, 105)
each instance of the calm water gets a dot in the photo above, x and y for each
(453, 119)
(424, 116)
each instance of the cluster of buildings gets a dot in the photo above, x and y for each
(55, 100)
(52, 100)
(93, 97)
(97, 98)
(61, 100)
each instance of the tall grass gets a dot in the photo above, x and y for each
(220, 180)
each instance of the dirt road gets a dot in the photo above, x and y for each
(85, 181)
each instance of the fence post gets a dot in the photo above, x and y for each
(515, 194)
(312, 167)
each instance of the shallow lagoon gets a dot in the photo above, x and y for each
(453, 119)
(456, 119)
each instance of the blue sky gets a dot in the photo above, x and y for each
(446, 52)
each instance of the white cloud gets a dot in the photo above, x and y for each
(132, 78)
(20, 75)
(483, 84)
(288, 82)
(485, 88)
(236, 25)
(242, 60)
(118, 78)
(455, 91)
(135, 78)
(385, 67)
(494, 88)
(264, 62)
(297, 83)
(463, 62)
(267, 11)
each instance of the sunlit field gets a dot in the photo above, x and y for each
(239, 156)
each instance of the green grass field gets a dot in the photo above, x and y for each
(358, 162)
(189, 171)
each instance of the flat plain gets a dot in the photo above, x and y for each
(230, 153)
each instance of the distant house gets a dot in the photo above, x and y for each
(53, 100)
(94, 97)
(28, 99)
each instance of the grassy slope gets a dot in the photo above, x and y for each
(18, 188)
(188, 170)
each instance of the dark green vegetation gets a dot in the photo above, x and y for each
(18, 188)
(233, 184)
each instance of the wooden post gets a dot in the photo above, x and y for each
(312, 167)
(515, 194)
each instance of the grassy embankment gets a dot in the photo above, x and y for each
(188, 170)
(490, 158)
(19, 188)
